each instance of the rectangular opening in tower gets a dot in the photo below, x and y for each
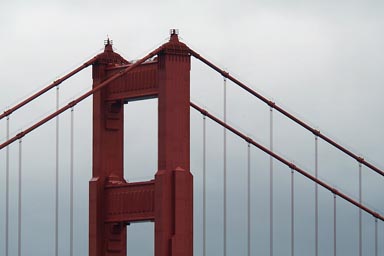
(140, 239)
(140, 140)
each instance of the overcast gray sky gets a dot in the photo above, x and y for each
(322, 60)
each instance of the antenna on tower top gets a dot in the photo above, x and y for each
(108, 41)
(173, 31)
(174, 35)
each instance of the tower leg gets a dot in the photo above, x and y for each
(173, 181)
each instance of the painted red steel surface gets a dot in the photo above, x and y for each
(141, 196)
(168, 199)
(142, 82)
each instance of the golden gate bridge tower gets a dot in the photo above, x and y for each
(168, 199)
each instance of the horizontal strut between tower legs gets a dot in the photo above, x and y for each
(130, 202)
(143, 82)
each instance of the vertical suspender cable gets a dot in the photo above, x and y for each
(19, 201)
(271, 184)
(57, 179)
(249, 200)
(204, 184)
(376, 238)
(7, 191)
(360, 214)
(292, 213)
(334, 225)
(316, 197)
(71, 185)
(225, 172)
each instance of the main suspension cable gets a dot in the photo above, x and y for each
(286, 113)
(47, 88)
(287, 163)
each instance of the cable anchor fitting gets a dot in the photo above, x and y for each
(249, 140)
(225, 73)
(316, 132)
(57, 82)
(72, 104)
(292, 166)
(204, 112)
(7, 112)
(20, 135)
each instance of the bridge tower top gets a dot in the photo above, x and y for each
(108, 45)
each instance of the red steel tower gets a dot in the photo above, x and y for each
(167, 200)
